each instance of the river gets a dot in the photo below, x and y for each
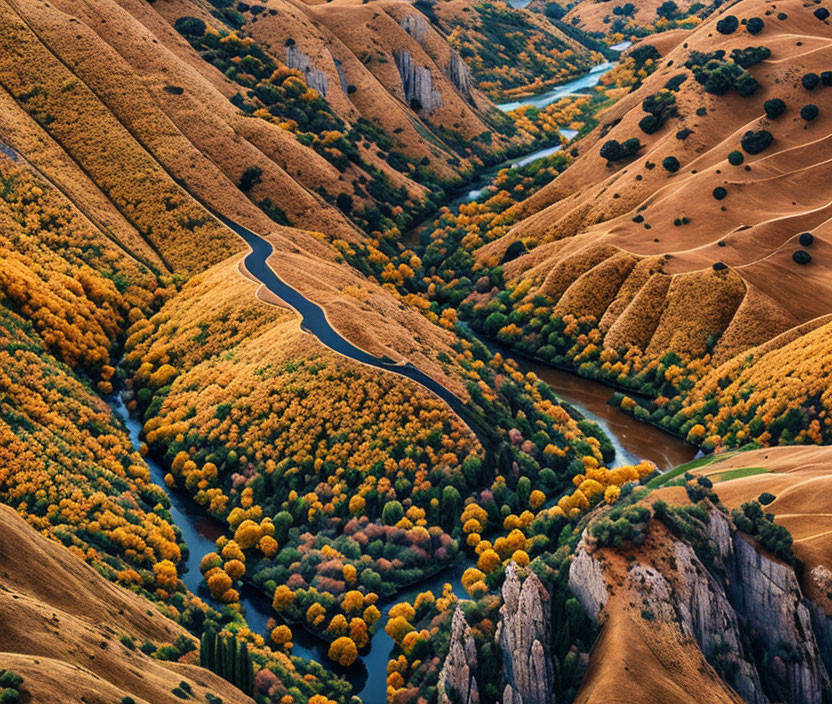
(475, 188)
(632, 440)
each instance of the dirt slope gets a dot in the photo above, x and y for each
(62, 625)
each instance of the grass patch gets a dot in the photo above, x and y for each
(737, 473)
(682, 468)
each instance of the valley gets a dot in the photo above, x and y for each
(418, 352)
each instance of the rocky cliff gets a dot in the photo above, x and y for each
(524, 636)
(456, 681)
(417, 84)
(460, 75)
(315, 78)
(744, 609)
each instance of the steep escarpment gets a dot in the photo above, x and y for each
(742, 608)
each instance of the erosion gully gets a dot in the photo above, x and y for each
(633, 440)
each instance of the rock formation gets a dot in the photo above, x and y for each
(523, 634)
(416, 26)
(315, 78)
(456, 681)
(417, 84)
(460, 75)
(746, 612)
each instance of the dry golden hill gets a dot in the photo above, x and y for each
(66, 630)
(114, 107)
(634, 244)
(627, 18)
(131, 118)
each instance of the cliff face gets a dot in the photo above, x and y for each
(456, 681)
(523, 635)
(417, 84)
(745, 611)
(460, 75)
(315, 78)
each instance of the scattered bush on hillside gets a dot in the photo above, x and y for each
(719, 193)
(750, 55)
(755, 142)
(801, 256)
(659, 107)
(190, 26)
(613, 150)
(810, 81)
(766, 498)
(250, 178)
(719, 77)
(809, 112)
(671, 164)
(727, 25)
(755, 25)
(826, 78)
(774, 108)
(10, 684)
(806, 239)
(675, 82)
(735, 158)
(821, 13)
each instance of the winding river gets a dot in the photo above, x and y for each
(632, 440)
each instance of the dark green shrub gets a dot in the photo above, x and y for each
(671, 164)
(755, 25)
(250, 178)
(10, 679)
(801, 256)
(727, 25)
(810, 81)
(766, 498)
(806, 239)
(649, 124)
(677, 80)
(809, 112)
(774, 108)
(612, 150)
(755, 142)
(821, 13)
(750, 55)
(735, 158)
(826, 78)
(719, 193)
(191, 26)
(750, 519)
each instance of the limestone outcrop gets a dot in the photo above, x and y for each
(456, 680)
(417, 84)
(524, 636)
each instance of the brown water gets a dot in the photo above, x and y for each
(633, 440)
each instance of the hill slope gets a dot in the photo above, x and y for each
(70, 633)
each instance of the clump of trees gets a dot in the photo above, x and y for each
(719, 76)
(751, 519)
(11, 686)
(659, 107)
(613, 150)
(756, 141)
